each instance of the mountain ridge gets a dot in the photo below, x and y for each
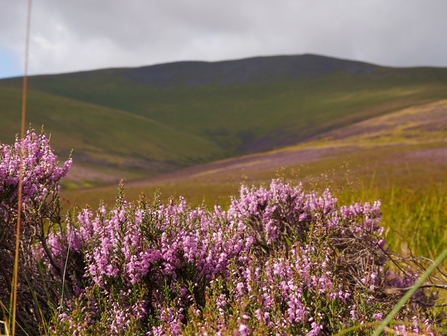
(244, 71)
(304, 63)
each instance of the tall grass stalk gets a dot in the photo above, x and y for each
(410, 293)
(13, 301)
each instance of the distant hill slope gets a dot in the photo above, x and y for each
(104, 136)
(415, 136)
(405, 150)
(224, 109)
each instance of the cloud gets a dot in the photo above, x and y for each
(84, 34)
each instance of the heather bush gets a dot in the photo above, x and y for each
(280, 261)
(40, 211)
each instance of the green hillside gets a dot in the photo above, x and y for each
(254, 104)
(102, 135)
(172, 115)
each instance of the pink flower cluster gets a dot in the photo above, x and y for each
(277, 244)
(40, 172)
(33, 158)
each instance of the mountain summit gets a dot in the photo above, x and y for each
(259, 70)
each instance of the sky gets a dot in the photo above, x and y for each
(76, 35)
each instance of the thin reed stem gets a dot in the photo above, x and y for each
(19, 202)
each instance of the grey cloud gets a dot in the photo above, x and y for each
(84, 34)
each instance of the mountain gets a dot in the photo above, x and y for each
(164, 117)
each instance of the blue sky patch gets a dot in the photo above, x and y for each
(9, 65)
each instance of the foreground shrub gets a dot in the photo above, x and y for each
(40, 209)
(279, 261)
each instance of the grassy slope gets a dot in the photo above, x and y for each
(407, 146)
(104, 135)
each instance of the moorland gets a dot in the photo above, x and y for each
(201, 129)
